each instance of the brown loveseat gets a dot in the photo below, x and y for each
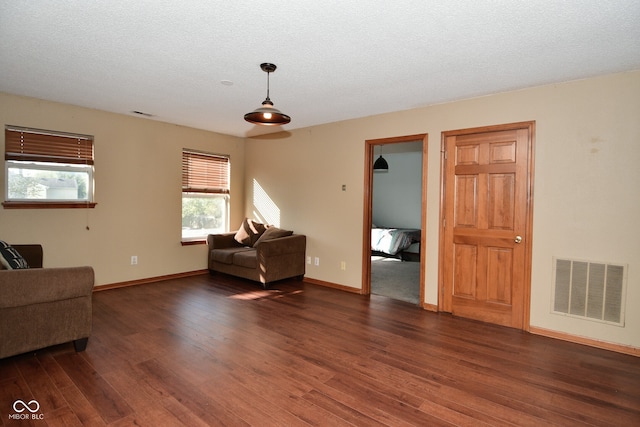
(40, 307)
(265, 257)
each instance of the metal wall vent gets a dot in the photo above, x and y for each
(591, 290)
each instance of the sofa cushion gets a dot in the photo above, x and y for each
(249, 232)
(247, 259)
(272, 233)
(225, 255)
(10, 258)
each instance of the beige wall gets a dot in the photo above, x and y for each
(586, 198)
(586, 194)
(137, 188)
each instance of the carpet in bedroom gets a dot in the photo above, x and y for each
(395, 279)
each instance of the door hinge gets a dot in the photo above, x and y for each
(444, 223)
(444, 153)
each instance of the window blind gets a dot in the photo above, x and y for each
(204, 173)
(37, 145)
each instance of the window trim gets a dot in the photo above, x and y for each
(48, 205)
(55, 149)
(202, 239)
(57, 167)
(205, 180)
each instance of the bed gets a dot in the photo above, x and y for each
(394, 241)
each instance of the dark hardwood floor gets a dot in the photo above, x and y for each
(219, 351)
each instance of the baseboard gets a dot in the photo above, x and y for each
(618, 348)
(430, 307)
(149, 280)
(333, 285)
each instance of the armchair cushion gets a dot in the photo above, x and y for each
(11, 258)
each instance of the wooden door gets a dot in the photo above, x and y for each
(486, 238)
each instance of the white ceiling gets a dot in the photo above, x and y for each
(336, 60)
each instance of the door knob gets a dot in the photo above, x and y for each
(518, 239)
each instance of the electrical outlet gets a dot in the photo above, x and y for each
(134, 259)
(309, 260)
(343, 265)
(316, 261)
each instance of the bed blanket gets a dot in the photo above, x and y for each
(393, 240)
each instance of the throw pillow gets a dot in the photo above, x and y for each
(10, 258)
(249, 232)
(273, 233)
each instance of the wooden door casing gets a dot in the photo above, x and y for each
(368, 208)
(486, 208)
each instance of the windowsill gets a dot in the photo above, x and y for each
(193, 242)
(49, 205)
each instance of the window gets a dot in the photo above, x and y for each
(205, 194)
(47, 169)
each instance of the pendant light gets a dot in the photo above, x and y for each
(381, 164)
(267, 115)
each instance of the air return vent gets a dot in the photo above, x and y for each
(591, 290)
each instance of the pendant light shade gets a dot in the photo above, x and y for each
(267, 115)
(380, 165)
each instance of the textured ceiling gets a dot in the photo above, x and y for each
(336, 60)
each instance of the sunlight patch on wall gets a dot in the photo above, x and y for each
(264, 208)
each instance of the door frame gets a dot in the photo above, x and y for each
(367, 222)
(528, 232)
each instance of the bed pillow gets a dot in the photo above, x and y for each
(249, 232)
(10, 258)
(273, 233)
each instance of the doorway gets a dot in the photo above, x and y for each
(486, 220)
(392, 249)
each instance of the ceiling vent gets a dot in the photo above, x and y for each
(590, 290)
